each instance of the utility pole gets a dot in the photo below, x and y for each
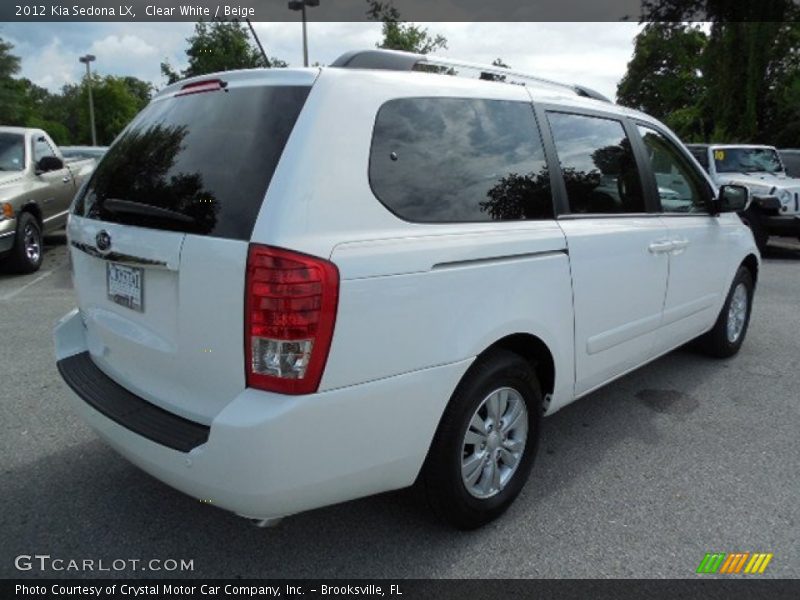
(86, 60)
(301, 6)
(258, 43)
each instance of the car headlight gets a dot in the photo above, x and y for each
(785, 196)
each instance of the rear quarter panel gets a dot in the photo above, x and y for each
(412, 296)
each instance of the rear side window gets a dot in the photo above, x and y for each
(198, 163)
(440, 160)
(598, 165)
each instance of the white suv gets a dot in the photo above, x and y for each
(297, 287)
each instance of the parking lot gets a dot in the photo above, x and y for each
(686, 456)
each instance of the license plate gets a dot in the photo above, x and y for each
(125, 285)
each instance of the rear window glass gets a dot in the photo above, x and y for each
(198, 163)
(438, 160)
(12, 152)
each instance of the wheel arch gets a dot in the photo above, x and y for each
(751, 264)
(34, 209)
(535, 351)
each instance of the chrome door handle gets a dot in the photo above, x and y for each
(660, 247)
(66, 179)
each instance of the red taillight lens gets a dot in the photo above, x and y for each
(290, 310)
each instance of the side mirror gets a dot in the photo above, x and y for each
(49, 163)
(731, 198)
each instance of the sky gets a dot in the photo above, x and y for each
(590, 54)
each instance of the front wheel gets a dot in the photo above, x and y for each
(26, 256)
(484, 448)
(729, 331)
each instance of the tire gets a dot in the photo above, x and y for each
(723, 341)
(26, 255)
(499, 378)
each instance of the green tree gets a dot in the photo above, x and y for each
(65, 115)
(399, 35)
(9, 67)
(665, 78)
(143, 90)
(219, 46)
(39, 108)
(9, 64)
(750, 66)
(116, 101)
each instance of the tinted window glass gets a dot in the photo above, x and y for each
(41, 149)
(198, 163)
(680, 188)
(12, 152)
(598, 164)
(440, 160)
(791, 161)
(747, 160)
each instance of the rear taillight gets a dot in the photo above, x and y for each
(290, 310)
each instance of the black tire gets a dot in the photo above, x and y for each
(19, 260)
(717, 342)
(446, 491)
(760, 235)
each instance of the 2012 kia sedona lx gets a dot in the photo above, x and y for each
(297, 287)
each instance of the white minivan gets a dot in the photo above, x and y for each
(297, 287)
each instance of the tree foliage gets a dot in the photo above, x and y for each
(399, 35)
(219, 46)
(9, 66)
(116, 102)
(65, 115)
(747, 87)
(665, 76)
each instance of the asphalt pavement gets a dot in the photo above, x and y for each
(685, 456)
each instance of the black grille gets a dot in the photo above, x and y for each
(127, 409)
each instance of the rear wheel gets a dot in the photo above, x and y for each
(486, 442)
(26, 255)
(729, 331)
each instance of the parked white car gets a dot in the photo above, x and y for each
(776, 208)
(298, 287)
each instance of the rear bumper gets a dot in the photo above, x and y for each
(269, 455)
(785, 225)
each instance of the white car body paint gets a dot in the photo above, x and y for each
(417, 304)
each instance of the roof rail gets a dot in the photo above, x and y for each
(394, 60)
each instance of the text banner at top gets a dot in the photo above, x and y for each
(410, 10)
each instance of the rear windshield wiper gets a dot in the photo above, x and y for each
(117, 205)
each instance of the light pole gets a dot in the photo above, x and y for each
(301, 6)
(86, 60)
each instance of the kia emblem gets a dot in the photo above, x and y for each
(103, 240)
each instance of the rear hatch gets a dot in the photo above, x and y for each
(160, 233)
